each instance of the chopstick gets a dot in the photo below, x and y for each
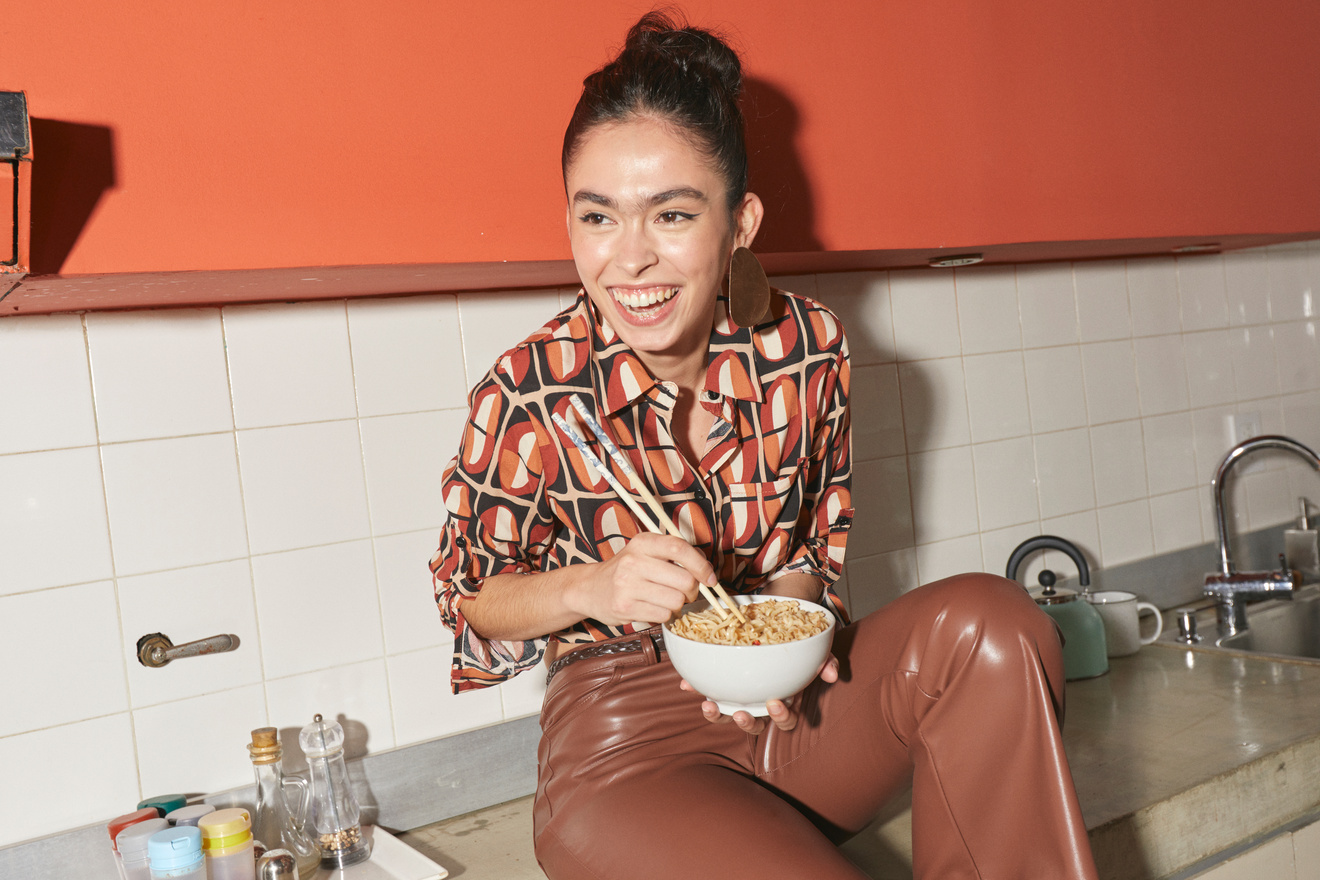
(596, 463)
(640, 487)
(627, 497)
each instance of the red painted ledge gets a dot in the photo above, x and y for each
(47, 294)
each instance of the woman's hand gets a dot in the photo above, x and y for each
(649, 580)
(782, 713)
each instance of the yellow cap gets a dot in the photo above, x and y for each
(225, 830)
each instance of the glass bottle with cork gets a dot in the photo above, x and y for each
(282, 802)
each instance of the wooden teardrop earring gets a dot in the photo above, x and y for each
(749, 289)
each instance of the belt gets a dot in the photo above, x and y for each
(626, 645)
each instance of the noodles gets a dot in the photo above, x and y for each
(768, 623)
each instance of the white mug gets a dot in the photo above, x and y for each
(1120, 612)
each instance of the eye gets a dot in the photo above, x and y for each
(671, 217)
(593, 218)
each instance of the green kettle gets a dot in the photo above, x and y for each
(1084, 652)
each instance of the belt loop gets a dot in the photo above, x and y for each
(649, 650)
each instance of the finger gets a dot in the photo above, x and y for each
(691, 560)
(783, 717)
(665, 581)
(830, 672)
(712, 713)
(747, 723)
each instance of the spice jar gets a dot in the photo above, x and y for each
(227, 842)
(132, 843)
(335, 814)
(189, 815)
(165, 803)
(176, 854)
(119, 823)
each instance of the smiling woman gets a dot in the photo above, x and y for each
(651, 238)
(743, 433)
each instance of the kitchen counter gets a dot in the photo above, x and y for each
(1177, 754)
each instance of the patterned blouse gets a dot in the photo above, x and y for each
(769, 497)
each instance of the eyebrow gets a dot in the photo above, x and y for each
(669, 195)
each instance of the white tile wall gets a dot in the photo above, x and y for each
(1102, 301)
(1153, 288)
(934, 398)
(139, 398)
(68, 776)
(1055, 389)
(303, 485)
(270, 471)
(62, 635)
(289, 363)
(55, 410)
(407, 354)
(1047, 304)
(173, 502)
(987, 309)
(356, 695)
(52, 514)
(925, 314)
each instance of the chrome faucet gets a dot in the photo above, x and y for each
(1232, 589)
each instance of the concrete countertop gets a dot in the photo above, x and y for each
(1177, 754)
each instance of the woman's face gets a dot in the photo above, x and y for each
(651, 233)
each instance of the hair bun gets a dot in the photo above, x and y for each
(691, 49)
(683, 74)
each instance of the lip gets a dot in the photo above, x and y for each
(651, 316)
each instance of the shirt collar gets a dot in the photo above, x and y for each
(620, 377)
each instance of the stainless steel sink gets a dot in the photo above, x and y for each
(1277, 628)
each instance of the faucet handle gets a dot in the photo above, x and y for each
(1187, 633)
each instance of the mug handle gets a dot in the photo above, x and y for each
(1159, 620)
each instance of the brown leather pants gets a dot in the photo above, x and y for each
(955, 689)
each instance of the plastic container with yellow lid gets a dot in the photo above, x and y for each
(227, 842)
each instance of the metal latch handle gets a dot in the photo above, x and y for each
(156, 649)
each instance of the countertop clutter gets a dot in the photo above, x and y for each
(1178, 754)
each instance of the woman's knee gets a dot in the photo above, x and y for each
(989, 614)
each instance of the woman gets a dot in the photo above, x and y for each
(742, 432)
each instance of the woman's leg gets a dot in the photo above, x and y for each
(694, 821)
(958, 686)
(635, 783)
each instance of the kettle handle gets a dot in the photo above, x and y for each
(1049, 542)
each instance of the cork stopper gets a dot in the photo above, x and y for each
(265, 746)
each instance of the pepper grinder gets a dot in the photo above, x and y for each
(335, 813)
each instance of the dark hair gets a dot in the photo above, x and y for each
(684, 75)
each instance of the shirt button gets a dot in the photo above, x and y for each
(700, 494)
(460, 541)
(712, 396)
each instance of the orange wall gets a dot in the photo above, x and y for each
(247, 134)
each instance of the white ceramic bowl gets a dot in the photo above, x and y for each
(742, 677)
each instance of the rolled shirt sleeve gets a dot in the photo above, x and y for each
(499, 523)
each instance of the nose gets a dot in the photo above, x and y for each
(636, 251)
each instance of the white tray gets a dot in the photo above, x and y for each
(391, 859)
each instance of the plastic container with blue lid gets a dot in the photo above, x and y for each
(176, 854)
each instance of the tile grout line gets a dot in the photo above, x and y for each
(114, 573)
(371, 529)
(247, 526)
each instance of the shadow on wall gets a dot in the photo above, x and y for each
(776, 173)
(73, 165)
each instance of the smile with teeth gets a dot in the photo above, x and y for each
(641, 300)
